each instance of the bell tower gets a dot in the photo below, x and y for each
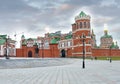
(81, 30)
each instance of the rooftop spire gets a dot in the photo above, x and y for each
(105, 29)
(82, 15)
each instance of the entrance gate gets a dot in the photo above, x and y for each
(63, 53)
(30, 54)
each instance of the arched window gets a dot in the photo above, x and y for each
(63, 45)
(88, 24)
(80, 24)
(84, 24)
(77, 26)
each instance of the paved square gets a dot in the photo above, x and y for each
(61, 71)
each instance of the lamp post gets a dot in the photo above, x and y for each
(110, 55)
(42, 43)
(83, 41)
(6, 55)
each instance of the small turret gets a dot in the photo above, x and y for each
(22, 37)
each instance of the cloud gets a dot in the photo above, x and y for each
(33, 16)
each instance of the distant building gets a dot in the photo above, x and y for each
(70, 44)
(7, 44)
(106, 40)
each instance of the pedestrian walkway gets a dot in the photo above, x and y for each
(95, 72)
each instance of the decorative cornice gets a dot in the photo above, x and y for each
(81, 18)
(81, 29)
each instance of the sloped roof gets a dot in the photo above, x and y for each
(82, 14)
(2, 41)
(54, 40)
(3, 36)
(106, 36)
(22, 36)
(68, 36)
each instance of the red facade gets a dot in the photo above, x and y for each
(80, 28)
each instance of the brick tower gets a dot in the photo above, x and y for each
(81, 28)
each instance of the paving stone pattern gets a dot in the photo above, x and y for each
(69, 72)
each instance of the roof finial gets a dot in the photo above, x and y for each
(105, 29)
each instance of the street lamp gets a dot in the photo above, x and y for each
(110, 55)
(7, 56)
(42, 43)
(83, 41)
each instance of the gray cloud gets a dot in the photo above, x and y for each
(84, 2)
(32, 16)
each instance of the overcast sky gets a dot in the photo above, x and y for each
(37, 17)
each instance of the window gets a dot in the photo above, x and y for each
(84, 24)
(77, 26)
(62, 45)
(69, 43)
(80, 24)
(46, 44)
(88, 24)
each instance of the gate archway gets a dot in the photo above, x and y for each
(30, 53)
(63, 53)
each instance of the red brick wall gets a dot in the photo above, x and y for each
(19, 52)
(51, 52)
(105, 52)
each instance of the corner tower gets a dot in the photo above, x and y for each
(79, 28)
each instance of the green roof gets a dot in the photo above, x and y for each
(2, 41)
(30, 39)
(22, 36)
(106, 36)
(3, 36)
(54, 40)
(114, 46)
(68, 37)
(53, 34)
(82, 14)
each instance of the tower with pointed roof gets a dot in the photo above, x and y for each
(79, 28)
(23, 41)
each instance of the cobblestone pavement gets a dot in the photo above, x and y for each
(71, 72)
